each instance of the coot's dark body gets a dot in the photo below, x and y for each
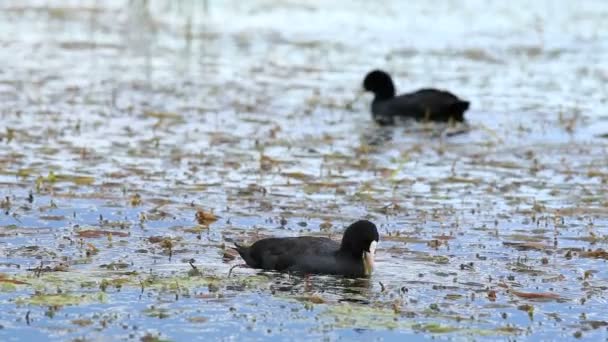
(353, 257)
(422, 105)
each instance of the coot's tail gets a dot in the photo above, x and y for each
(245, 254)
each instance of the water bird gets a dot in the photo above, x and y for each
(353, 257)
(426, 104)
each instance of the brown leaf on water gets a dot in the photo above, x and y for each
(228, 255)
(596, 173)
(326, 225)
(554, 279)
(205, 218)
(526, 246)
(135, 200)
(162, 115)
(82, 322)
(4, 279)
(434, 243)
(312, 299)
(78, 180)
(479, 55)
(526, 308)
(61, 267)
(596, 324)
(164, 242)
(538, 207)
(454, 179)
(156, 239)
(91, 249)
(443, 237)
(387, 172)
(596, 254)
(94, 234)
(298, 175)
(535, 295)
(266, 163)
(167, 244)
(52, 218)
(198, 319)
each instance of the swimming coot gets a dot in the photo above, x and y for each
(423, 105)
(354, 257)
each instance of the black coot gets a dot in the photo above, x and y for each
(423, 105)
(354, 257)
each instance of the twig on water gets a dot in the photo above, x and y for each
(235, 266)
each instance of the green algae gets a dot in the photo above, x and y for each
(62, 299)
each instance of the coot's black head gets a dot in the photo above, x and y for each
(359, 237)
(380, 83)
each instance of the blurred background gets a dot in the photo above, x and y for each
(507, 57)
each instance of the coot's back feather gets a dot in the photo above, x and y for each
(281, 253)
(426, 104)
(308, 254)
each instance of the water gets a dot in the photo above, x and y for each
(126, 118)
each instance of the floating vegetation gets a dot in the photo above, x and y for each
(141, 139)
(61, 299)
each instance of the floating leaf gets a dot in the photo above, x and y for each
(4, 279)
(94, 234)
(311, 299)
(298, 175)
(205, 218)
(162, 115)
(82, 322)
(62, 299)
(597, 254)
(535, 295)
(135, 200)
(526, 246)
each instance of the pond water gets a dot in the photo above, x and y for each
(140, 140)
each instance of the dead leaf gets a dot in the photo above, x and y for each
(312, 299)
(596, 254)
(205, 218)
(135, 200)
(94, 234)
(4, 279)
(535, 295)
(228, 256)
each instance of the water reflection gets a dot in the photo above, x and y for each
(378, 136)
(336, 288)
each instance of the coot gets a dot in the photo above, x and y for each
(353, 257)
(422, 105)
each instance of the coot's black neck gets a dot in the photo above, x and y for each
(387, 92)
(349, 253)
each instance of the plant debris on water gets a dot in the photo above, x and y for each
(139, 140)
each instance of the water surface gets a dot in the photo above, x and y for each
(121, 120)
